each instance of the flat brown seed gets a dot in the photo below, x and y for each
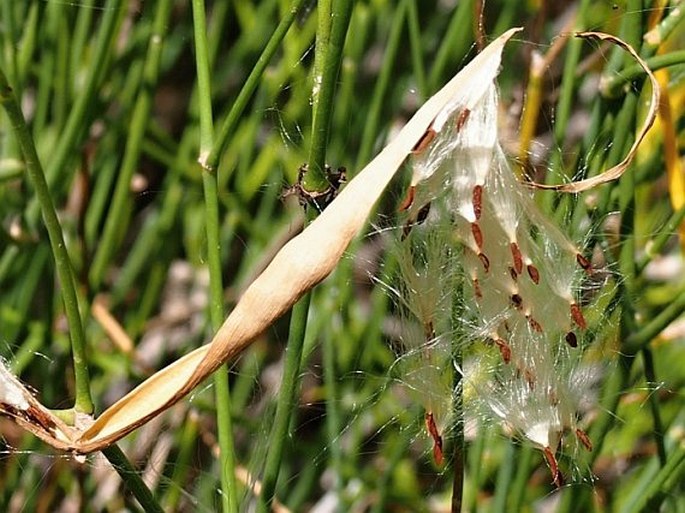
(518, 258)
(425, 140)
(476, 289)
(477, 235)
(534, 325)
(477, 200)
(432, 429)
(584, 263)
(533, 273)
(504, 349)
(409, 199)
(517, 301)
(512, 273)
(571, 339)
(462, 118)
(584, 439)
(557, 478)
(485, 261)
(577, 316)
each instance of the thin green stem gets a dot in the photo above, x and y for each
(656, 245)
(83, 400)
(286, 399)
(660, 33)
(506, 471)
(333, 417)
(79, 115)
(650, 376)
(10, 38)
(372, 121)
(613, 85)
(649, 331)
(228, 126)
(315, 178)
(455, 44)
(330, 42)
(418, 64)
(132, 479)
(229, 496)
(670, 474)
(120, 209)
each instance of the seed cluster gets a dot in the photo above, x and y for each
(470, 222)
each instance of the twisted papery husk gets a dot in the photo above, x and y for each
(300, 265)
(614, 172)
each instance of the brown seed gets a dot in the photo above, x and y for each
(533, 273)
(571, 339)
(557, 478)
(477, 235)
(534, 325)
(409, 199)
(577, 316)
(584, 439)
(485, 261)
(504, 349)
(420, 218)
(512, 273)
(422, 214)
(425, 140)
(517, 301)
(530, 378)
(435, 435)
(518, 258)
(477, 200)
(462, 118)
(584, 263)
(476, 289)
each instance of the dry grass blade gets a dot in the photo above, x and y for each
(616, 171)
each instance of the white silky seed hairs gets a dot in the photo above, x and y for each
(470, 221)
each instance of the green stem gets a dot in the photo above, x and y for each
(253, 80)
(504, 476)
(656, 245)
(418, 64)
(315, 178)
(285, 403)
(650, 376)
(658, 34)
(670, 474)
(79, 116)
(370, 133)
(455, 44)
(617, 81)
(132, 479)
(649, 331)
(83, 401)
(333, 417)
(330, 42)
(229, 496)
(119, 211)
